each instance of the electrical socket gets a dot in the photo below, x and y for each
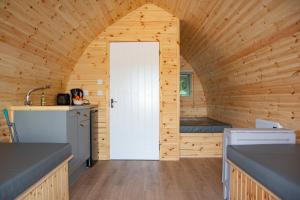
(99, 93)
(100, 82)
(85, 93)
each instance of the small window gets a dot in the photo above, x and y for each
(185, 84)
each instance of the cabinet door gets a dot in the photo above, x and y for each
(73, 139)
(84, 140)
(41, 126)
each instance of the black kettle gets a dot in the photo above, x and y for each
(77, 96)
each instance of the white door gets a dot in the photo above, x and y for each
(134, 100)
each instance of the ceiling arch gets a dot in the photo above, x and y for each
(61, 30)
(246, 54)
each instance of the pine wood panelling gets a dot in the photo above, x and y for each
(53, 186)
(147, 23)
(41, 41)
(197, 145)
(243, 186)
(194, 105)
(246, 54)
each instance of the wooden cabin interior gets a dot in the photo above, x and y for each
(150, 99)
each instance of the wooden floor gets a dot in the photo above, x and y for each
(142, 180)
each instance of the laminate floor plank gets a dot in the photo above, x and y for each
(187, 179)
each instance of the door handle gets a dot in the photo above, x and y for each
(112, 101)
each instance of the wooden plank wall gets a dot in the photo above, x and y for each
(260, 76)
(201, 145)
(147, 23)
(194, 105)
(246, 54)
(41, 41)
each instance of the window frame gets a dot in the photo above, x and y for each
(190, 77)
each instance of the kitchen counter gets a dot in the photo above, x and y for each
(22, 165)
(276, 166)
(49, 108)
(57, 124)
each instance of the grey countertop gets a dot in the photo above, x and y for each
(276, 166)
(24, 164)
(50, 108)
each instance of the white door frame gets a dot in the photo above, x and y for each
(109, 97)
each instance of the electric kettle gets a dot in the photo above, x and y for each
(77, 96)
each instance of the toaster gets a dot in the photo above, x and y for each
(63, 99)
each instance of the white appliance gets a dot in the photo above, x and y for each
(134, 100)
(247, 136)
(263, 123)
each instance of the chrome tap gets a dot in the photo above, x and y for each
(27, 101)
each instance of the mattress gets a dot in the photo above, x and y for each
(202, 125)
(22, 165)
(276, 166)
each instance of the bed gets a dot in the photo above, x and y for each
(202, 125)
(34, 171)
(201, 137)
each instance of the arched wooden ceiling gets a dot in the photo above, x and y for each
(247, 55)
(238, 48)
(212, 31)
(58, 30)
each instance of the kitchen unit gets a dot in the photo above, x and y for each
(56, 124)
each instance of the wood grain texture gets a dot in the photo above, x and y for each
(41, 41)
(201, 145)
(187, 179)
(243, 186)
(246, 53)
(194, 105)
(147, 23)
(53, 186)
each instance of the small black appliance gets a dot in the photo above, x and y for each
(63, 99)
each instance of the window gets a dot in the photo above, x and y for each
(185, 84)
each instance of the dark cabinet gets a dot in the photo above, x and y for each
(84, 138)
(79, 136)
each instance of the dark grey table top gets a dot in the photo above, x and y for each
(276, 166)
(24, 164)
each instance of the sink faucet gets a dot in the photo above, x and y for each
(27, 101)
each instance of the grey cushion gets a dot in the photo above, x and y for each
(24, 164)
(202, 125)
(276, 166)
